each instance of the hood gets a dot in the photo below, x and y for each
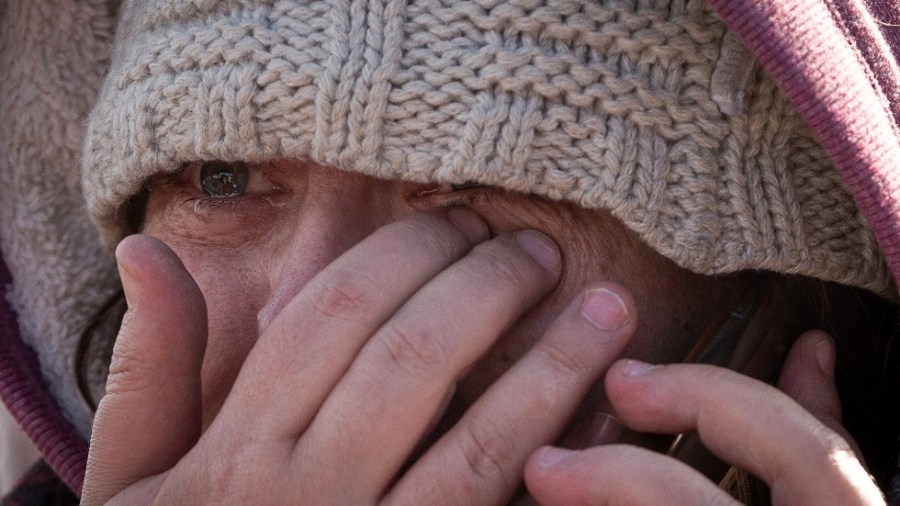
(836, 61)
(53, 56)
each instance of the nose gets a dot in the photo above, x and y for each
(339, 210)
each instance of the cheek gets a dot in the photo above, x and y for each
(674, 305)
(234, 299)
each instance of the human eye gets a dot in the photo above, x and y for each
(219, 184)
(223, 179)
(217, 190)
(222, 201)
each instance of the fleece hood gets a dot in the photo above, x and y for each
(834, 61)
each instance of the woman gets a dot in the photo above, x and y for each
(404, 217)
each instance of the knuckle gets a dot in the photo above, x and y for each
(489, 452)
(833, 445)
(343, 294)
(129, 371)
(561, 374)
(433, 235)
(123, 379)
(565, 363)
(504, 264)
(414, 346)
(221, 480)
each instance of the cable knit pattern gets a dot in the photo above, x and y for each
(604, 103)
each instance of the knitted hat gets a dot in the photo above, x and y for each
(650, 109)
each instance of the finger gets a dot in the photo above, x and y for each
(747, 423)
(808, 378)
(617, 474)
(480, 460)
(312, 341)
(399, 381)
(150, 415)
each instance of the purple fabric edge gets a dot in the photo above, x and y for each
(824, 74)
(862, 28)
(887, 16)
(24, 393)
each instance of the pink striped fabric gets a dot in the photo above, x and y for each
(27, 398)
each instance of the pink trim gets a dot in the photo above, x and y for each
(27, 398)
(807, 48)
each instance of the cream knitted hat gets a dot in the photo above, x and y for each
(648, 108)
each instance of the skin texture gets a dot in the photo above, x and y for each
(346, 317)
(250, 258)
(773, 424)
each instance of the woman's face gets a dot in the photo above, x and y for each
(253, 235)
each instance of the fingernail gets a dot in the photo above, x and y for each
(551, 456)
(539, 247)
(468, 222)
(604, 309)
(635, 368)
(825, 357)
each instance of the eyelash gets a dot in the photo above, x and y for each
(204, 205)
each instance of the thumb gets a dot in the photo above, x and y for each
(151, 413)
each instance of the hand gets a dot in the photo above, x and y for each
(337, 392)
(793, 441)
